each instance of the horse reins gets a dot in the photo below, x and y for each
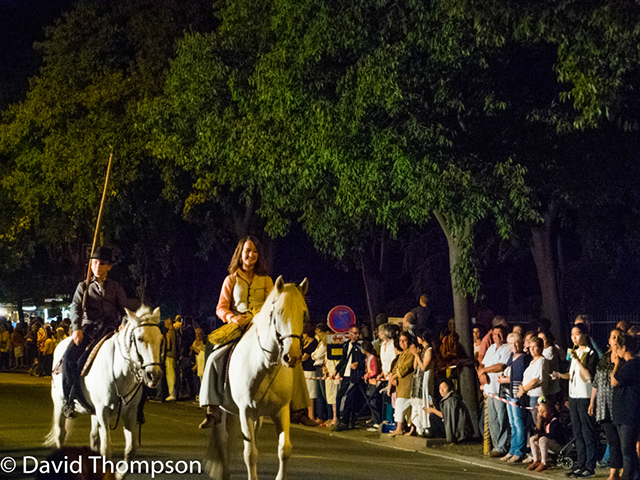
(132, 393)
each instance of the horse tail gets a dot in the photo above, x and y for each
(50, 439)
(60, 426)
(54, 436)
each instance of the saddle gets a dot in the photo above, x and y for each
(94, 352)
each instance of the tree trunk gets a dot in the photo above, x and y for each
(467, 372)
(242, 219)
(542, 251)
(374, 286)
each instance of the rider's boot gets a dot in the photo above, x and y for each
(213, 417)
(69, 405)
(69, 408)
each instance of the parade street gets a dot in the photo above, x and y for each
(171, 434)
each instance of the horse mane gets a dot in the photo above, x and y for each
(145, 315)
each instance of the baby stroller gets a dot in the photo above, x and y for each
(567, 456)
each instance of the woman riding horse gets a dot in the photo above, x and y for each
(243, 293)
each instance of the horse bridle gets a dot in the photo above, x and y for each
(279, 337)
(133, 340)
(127, 397)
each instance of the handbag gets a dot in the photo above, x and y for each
(523, 401)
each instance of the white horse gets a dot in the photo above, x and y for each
(261, 378)
(114, 382)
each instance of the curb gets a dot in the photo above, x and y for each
(421, 446)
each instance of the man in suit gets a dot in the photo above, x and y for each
(350, 370)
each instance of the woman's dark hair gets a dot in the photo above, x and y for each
(310, 329)
(480, 328)
(630, 343)
(236, 259)
(409, 337)
(322, 327)
(550, 336)
(367, 347)
(448, 383)
(582, 327)
(425, 334)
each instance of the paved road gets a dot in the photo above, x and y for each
(171, 434)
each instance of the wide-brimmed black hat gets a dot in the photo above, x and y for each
(104, 254)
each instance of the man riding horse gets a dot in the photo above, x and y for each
(103, 311)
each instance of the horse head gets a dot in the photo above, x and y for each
(144, 342)
(289, 312)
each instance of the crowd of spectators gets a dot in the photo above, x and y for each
(404, 379)
(30, 344)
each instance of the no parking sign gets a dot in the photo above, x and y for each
(340, 319)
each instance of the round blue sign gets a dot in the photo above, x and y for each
(341, 318)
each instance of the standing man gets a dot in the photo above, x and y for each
(494, 362)
(104, 309)
(423, 314)
(350, 370)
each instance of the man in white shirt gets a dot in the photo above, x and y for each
(492, 364)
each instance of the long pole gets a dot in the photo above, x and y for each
(97, 230)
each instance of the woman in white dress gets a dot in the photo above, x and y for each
(423, 382)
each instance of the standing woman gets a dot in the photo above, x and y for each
(535, 379)
(243, 293)
(584, 361)
(309, 345)
(625, 379)
(423, 382)
(601, 405)
(402, 376)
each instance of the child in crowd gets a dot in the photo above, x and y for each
(371, 380)
(547, 438)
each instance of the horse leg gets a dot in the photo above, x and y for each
(94, 438)
(248, 426)
(282, 423)
(103, 416)
(58, 431)
(59, 428)
(129, 418)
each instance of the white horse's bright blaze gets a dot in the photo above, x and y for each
(260, 381)
(128, 358)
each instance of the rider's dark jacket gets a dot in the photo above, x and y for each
(104, 307)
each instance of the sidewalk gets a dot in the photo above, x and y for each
(468, 453)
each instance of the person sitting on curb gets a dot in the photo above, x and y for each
(452, 420)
